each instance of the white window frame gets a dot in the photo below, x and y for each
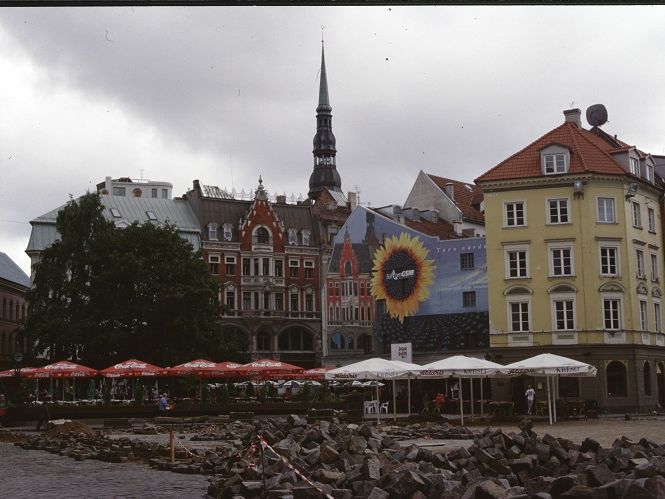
(639, 263)
(654, 267)
(305, 235)
(294, 263)
(563, 297)
(292, 237)
(548, 210)
(559, 163)
(212, 232)
(513, 205)
(617, 259)
(514, 248)
(651, 219)
(522, 299)
(636, 210)
(634, 166)
(605, 297)
(644, 315)
(214, 258)
(650, 173)
(552, 247)
(605, 200)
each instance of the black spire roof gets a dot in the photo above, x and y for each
(325, 173)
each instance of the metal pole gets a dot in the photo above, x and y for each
(471, 401)
(378, 408)
(482, 398)
(263, 467)
(555, 386)
(549, 400)
(409, 400)
(394, 405)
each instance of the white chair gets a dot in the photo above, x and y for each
(384, 407)
(370, 407)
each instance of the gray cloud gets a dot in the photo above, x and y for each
(224, 94)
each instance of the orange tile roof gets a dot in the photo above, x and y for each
(467, 197)
(588, 155)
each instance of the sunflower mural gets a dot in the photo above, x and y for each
(402, 275)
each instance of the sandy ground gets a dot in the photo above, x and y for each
(605, 431)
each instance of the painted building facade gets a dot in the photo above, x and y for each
(574, 244)
(390, 282)
(266, 259)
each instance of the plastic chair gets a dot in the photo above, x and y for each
(370, 407)
(384, 407)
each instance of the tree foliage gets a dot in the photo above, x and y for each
(103, 294)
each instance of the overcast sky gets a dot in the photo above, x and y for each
(223, 94)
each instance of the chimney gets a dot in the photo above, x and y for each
(573, 116)
(353, 200)
(280, 199)
(450, 190)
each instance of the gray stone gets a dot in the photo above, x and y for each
(371, 469)
(378, 493)
(599, 474)
(328, 454)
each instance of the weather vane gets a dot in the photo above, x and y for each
(322, 28)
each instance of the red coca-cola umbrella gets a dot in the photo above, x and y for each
(62, 369)
(204, 369)
(17, 373)
(132, 368)
(265, 368)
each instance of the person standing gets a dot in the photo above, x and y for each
(163, 404)
(530, 395)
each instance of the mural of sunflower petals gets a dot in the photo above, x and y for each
(402, 274)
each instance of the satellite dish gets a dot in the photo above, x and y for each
(596, 115)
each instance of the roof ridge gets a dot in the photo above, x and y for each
(452, 180)
(573, 139)
(519, 152)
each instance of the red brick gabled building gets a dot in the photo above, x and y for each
(266, 258)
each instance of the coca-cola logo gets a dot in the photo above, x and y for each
(199, 364)
(131, 365)
(61, 366)
(265, 364)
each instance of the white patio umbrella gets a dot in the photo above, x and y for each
(552, 366)
(375, 368)
(461, 366)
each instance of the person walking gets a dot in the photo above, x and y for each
(530, 395)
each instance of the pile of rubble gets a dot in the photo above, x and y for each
(351, 461)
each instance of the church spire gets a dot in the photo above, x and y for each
(325, 174)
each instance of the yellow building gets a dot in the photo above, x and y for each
(574, 252)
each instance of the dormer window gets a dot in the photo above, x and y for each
(115, 212)
(151, 215)
(554, 159)
(293, 237)
(305, 237)
(650, 173)
(212, 232)
(635, 166)
(228, 232)
(555, 163)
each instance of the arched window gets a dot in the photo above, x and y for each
(11, 310)
(337, 341)
(350, 342)
(263, 340)
(647, 378)
(347, 268)
(295, 338)
(365, 343)
(3, 344)
(615, 373)
(262, 235)
(4, 308)
(23, 312)
(227, 232)
(16, 316)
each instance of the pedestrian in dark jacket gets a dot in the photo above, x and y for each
(44, 417)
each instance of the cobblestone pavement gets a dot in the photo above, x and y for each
(44, 475)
